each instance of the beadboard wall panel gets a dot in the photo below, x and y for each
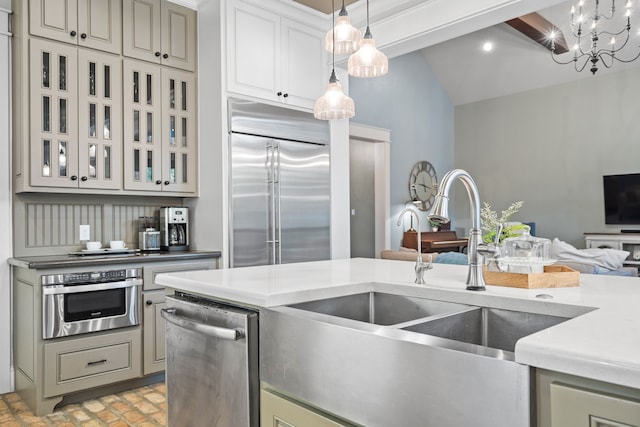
(50, 224)
(57, 224)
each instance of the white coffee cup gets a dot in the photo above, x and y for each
(116, 244)
(93, 246)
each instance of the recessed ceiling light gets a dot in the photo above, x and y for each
(487, 46)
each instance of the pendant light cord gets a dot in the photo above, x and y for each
(333, 33)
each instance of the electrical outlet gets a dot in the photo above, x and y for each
(85, 232)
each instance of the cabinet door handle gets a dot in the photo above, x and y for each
(279, 93)
(148, 302)
(158, 182)
(157, 53)
(73, 33)
(83, 36)
(167, 183)
(286, 95)
(165, 56)
(74, 178)
(97, 362)
(84, 178)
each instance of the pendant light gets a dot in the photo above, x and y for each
(368, 61)
(334, 104)
(344, 36)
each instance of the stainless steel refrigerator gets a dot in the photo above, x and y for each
(280, 185)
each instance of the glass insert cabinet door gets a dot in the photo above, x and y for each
(142, 131)
(159, 129)
(99, 120)
(179, 140)
(53, 135)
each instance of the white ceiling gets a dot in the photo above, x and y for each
(516, 64)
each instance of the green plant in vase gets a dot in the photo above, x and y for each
(489, 220)
(435, 226)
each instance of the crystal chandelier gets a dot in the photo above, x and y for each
(595, 40)
(368, 61)
(334, 104)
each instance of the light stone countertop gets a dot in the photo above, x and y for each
(603, 344)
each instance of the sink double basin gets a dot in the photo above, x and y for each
(430, 358)
(483, 326)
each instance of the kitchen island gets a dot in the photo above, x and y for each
(601, 343)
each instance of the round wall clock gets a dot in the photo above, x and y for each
(422, 184)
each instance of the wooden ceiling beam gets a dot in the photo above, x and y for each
(538, 29)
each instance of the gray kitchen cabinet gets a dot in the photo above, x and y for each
(68, 121)
(161, 32)
(577, 407)
(87, 23)
(279, 411)
(160, 133)
(569, 401)
(154, 342)
(274, 58)
(153, 297)
(83, 363)
(76, 117)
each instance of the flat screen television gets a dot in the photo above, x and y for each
(622, 199)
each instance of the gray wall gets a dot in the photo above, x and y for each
(410, 102)
(550, 148)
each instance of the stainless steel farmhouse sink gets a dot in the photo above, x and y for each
(433, 358)
(489, 327)
(379, 308)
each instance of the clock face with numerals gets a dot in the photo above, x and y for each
(422, 184)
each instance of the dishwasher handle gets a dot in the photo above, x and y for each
(169, 314)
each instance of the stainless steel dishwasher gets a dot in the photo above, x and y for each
(212, 363)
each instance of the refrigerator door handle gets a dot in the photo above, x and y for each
(271, 149)
(277, 215)
(169, 314)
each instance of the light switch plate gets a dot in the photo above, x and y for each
(85, 232)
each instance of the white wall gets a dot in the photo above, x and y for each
(410, 102)
(550, 148)
(5, 205)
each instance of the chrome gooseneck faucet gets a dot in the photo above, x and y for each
(440, 214)
(420, 266)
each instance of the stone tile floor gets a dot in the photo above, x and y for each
(140, 407)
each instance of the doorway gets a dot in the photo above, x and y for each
(362, 197)
(369, 190)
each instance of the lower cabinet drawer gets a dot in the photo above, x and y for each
(95, 360)
(99, 360)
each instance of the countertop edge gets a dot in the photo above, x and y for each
(60, 261)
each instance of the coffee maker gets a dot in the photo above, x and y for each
(174, 229)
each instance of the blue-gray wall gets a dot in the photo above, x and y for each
(410, 102)
(550, 148)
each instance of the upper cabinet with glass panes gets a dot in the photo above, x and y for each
(80, 124)
(160, 142)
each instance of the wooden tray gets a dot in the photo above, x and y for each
(554, 276)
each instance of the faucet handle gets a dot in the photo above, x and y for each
(421, 267)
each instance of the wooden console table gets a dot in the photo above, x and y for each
(435, 241)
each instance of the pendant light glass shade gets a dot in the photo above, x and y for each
(368, 61)
(347, 37)
(334, 104)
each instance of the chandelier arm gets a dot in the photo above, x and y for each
(614, 57)
(584, 65)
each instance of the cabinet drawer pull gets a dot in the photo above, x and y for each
(97, 362)
(157, 54)
(167, 183)
(83, 36)
(165, 56)
(73, 33)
